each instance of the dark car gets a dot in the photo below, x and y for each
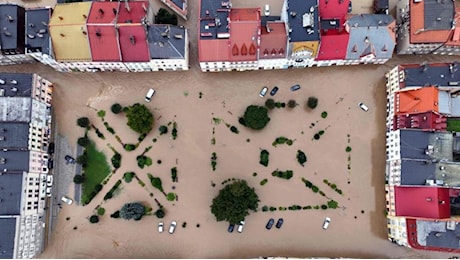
(231, 227)
(279, 223)
(50, 164)
(295, 87)
(51, 148)
(274, 90)
(69, 159)
(270, 223)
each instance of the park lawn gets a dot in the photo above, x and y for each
(453, 124)
(97, 169)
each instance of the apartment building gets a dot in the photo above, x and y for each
(25, 125)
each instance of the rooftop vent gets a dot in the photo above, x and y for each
(2, 138)
(10, 18)
(39, 35)
(31, 36)
(62, 35)
(84, 16)
(14, 89)
(44, 23)
(178, 36)
(42, 31)
(366, 40)
(2, 82)
(32, 25)
(429, 150)
(293, 14)
(5, 32)
(132, 39)
(98, 33)
(101, 12)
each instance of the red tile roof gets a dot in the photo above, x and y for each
(103, 13)
(333, 9)
(133, 43)
(104, 44)
(273, 44)
(419, 100)
(213, 50)
(425, 121)
(333, 47)
(244, 33)
(132, 12)
(422, 201)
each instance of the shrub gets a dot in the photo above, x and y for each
(109, 194)
(291, 103)
(98, 187)
(128, 176)
(171, 196)
(348, 149)
(116, 108)
(284, 175)
(308, 184)
(94, 219)
(83, 160)
(116, 160)
(316, 136)
(332, 204)
(163, 129)
(140, 119)
(101, 113)
(254, 174)
(324, 114)
(263, 182)
(174, 131)
(264, 157)
(242, 121)
(316, 207)
(83, 122)
(265, 208)
(160, 213)
(100, 211)
(78, 179)
(323, 207)
(234, 129)
(129, 147)
(333, 186)
(322, 193)
(116, 214)
(83, 141)
(272, 209)
(256, 117)
(174, 174)
(312, 102)
(314, 189)
(270, 103)
(301, 157)
(156, 182)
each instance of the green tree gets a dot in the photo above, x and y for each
(291, 103)
(312, 102)
(234, 201)
(256, 117)
(165, 17)
(100, 211)
(83, 122)
(171, 196)
(83, 141)
(133, 210)
(116, 214)
(140, 119)
(301, 157)
(116, 108)
(101, 114)
(78, 179)
(156, 182)
(160, 213)
(270, 103)
(94, 219)
(83, 159)
(332, 204)
(163, 129)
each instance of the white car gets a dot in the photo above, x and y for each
(66, 200)
(267, 10)
(160, 227)
(172, 227)
(263, 91)
(149, 95)
(363, 107)
(48, 191)
(49, 180)
(326, 223)
(241, 226)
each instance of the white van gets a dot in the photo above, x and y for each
(267, 10)
(149, 95)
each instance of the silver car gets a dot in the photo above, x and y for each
(326, 223)
(363, 107)
(66, 200)
(263, 91)
(241, 226)
(160, 227)
(172, 227)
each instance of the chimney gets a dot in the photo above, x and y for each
(101, 12)
(132, 39)
(98, 33)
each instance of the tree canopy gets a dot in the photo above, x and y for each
(165, 17)
(256, 117)
(133, 210)
(83, 122)
(140, 119)
(234, 201)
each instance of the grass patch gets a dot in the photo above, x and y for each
(453, 125)
(96, 170)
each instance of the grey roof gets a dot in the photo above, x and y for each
(214, 16)
(369, 33)
(22, 88)
(438, 15)
(414, 145)
(37, 25)
(170, 46)
(432, 74)
(381, 4)
(15, 109)
(10, 193)
(330, 24)
(414, 172)
(14, 161)
(298, 12)
(8, 234)
(14, 27)
(15, 135)
(264, 19)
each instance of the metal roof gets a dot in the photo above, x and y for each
(15, 161)
(415, 144)
(37, 34)
(7, 238)
(12, 24)
(15, 109)
(214, 16)
(432, 74)
(15, 135)
(415, 172)
(16, 84)
(438, 15)
(166, 41)
(303, 20)
(10, 194)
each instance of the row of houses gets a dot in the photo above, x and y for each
(25, 126)
(93, 36)
(423, 156)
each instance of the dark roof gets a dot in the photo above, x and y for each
(381, 4)
(23, 86)
(327, 24)
(432, 74)
(414, 172)
(299, 14)
(16, 135)
(11, 22)
(438, 15)
(169, 46)
(214, 18)
(415, 143)
(37, 27)
(447, 239)
(14, 161)
(10, 193)
(7, 238)
(264, 19)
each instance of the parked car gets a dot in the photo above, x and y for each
(326, 223)
(279, 223)
(263, 91)
(149, 95)
(49, 180)
(66, 200)
(270, 223)
(241, 226)
(363, 107)
(267, 10)
(48, 191)
(295, 87)
(172, 227)
(50, 164)
(160, 227)
(274, 90)
(69, 159)
(230, 228)
(51, 148)
(349, 7)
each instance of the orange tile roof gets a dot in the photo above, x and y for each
(455, 40)
(213, 50)
(244, 33)
(273, 44)
(418, 34)
(419, 100)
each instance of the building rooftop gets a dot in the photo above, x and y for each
(15, 84)
(7, 238)
(15, 135)
(132, 12)
(417, 100)
(422, 201)
(70, 14)
(38, 37)
(424, 120)
(10, 194)
(333, 9)
(15, 109)
(103, 42)
(440, 74)
(273, 44)
(14, 161)
(214, 19)
(303, 20)
(133, 43)
(333, 47)
(167, 41)
(416, 172)
(103, 13)
(11, 23)
(426, 146)
(244, 33)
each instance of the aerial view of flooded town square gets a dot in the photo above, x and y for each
(197, 150)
